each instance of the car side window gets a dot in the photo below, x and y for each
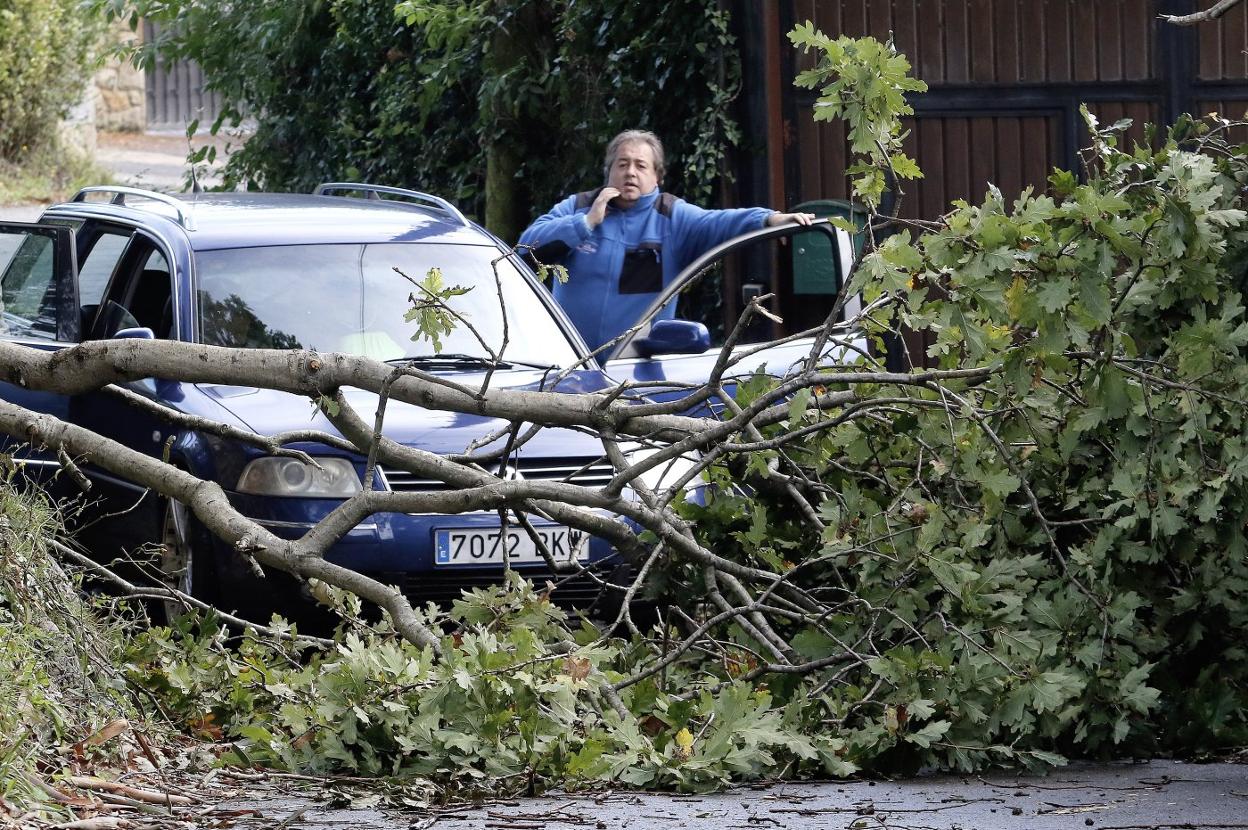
(150, 298)
(28, 291)
(97, 264)
(794, 273)
(720, 292)
(139, 294)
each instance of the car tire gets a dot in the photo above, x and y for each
(186, 562)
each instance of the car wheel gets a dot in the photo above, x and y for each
(185, 564)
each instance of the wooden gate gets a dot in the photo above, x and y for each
(175, 92)
(1005, 78)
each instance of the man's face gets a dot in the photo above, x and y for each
(632, 172)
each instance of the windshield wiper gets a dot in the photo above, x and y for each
(449, 358)
(459, 359)
(545, 367)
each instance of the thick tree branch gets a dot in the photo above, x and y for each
(211, 506)
(90, 366)
(1212, 13)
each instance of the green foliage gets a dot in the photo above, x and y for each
(1038, 553)
(47, 51)
(430, 311)
(513, 699)
(58, 679)
(549, 273)
(1038, 557)
(1047, 556)
(1033, 550)
(350, 90)
(863, 82)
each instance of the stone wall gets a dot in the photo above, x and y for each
(78, 127)
(120, 90)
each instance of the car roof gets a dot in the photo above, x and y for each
(243, 220)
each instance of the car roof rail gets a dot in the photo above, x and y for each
(119, 198)
(374, 191)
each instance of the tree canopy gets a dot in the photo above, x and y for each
(459, 97)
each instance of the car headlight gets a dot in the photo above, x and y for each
(336, 478)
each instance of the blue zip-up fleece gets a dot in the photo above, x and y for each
(617, 269)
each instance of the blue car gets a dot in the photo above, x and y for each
(327, 271)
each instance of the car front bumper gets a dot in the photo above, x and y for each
(399, 549)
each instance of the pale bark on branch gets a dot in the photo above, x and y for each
(212, 507)
(1212, 13)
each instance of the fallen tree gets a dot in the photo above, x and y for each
(61, 674)
(1034, 547)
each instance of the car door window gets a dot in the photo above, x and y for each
(28, 290)
(717, 294)
(98, 263)
(150, 298)
(719, 286)
(139, 293)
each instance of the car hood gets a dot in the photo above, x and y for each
(268, 412)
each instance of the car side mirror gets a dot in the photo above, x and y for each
(144, 386)
(112, 318)
(135, 333)
(674, 337)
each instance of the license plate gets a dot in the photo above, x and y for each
(493, 546)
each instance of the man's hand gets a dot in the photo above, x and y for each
(785, 218)
(598, 211)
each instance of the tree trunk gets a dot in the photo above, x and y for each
(509, 51)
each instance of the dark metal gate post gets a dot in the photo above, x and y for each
(1176, 60)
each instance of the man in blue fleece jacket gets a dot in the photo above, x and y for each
(624, 242)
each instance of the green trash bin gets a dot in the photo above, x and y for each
(814, 272)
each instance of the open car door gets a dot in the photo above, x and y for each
(683, 353)
(39, 309)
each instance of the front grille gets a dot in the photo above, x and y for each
(444, 587)
(581, 471)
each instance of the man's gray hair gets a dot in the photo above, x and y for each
(635, 137)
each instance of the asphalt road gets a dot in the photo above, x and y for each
(1156, 795)
(20, 213)
(154, 161)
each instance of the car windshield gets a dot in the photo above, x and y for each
(350, 298)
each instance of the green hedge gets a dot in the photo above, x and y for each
(47, 51)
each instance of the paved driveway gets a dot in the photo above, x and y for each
(154, 161)
(1156, 795)
(20, 213)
